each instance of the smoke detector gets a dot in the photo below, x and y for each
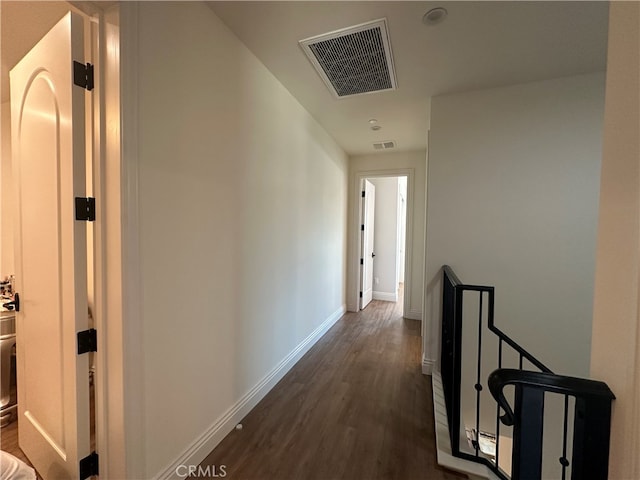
(434, 16)
(354, 60)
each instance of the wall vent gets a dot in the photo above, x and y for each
(384, 145)
(354, 60)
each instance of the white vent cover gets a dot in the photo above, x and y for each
(353, 60)
(384, 145)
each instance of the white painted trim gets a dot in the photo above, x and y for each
(107, 258)
(215, 433)
(355, 247)
(428, 366)
(385, 296)
(427, 329)
(443, 442)
(101, 59)
(413, 315)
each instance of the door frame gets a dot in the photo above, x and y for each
(353, 288)
(119, 370)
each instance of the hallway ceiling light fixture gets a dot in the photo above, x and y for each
(354, 60)
(434, 16)
(375, 128)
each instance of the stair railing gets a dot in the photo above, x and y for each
(591, 415)
(591, 428)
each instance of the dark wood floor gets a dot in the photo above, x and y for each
(9, 433)
(9, 441)
(356, 406)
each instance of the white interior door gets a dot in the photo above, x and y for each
(368, 254)
(47, 119)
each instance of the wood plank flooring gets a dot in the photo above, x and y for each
(356, 406)
(9, 433)
(9, 442)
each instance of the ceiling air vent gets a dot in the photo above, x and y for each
(384, 145)
(353, 60)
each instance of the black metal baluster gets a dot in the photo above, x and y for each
(498, 408)
(478, 385)
(527, 433)
(457, 372)
(591, 435)
(446, 356)
(520, 364)
(563, 460)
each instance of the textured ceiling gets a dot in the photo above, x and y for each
(479, 45)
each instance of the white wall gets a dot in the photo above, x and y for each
(6, 195)
(242, 228)
(616, 318)
(385, 269)
(390, 164)
(513, 201)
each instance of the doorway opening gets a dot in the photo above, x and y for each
(383, 239)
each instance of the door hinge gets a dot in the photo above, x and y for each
(362, 227)
(86, 209)
(360, 294)
(83, 75)
(89, 466)
(362, 261)
(362, 193)
(87, 341)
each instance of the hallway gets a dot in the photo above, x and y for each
(356, 406)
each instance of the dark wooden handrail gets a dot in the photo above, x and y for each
(548, 382)
(591, 428)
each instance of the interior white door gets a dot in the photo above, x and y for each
(47, 120)
(368, 253)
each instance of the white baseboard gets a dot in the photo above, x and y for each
(443, 441)
(413, 315)
(203, 445)
(385, 296)
(427, 366)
